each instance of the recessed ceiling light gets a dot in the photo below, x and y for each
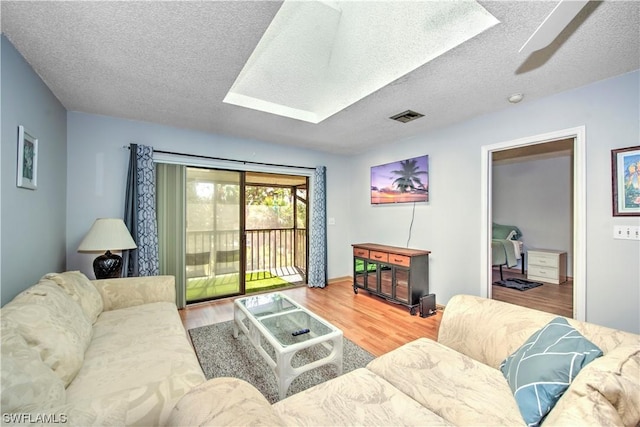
(515, 98)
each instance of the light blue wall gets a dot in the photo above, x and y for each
(536, 196)
(449, 225)
(98, 168)
(33, 225)
(33, 222)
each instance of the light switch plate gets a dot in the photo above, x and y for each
(626, 232)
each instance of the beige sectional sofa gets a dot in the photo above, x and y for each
(455, 381)
(114, 352)
(102, 352)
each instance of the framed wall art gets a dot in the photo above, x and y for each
(401, 182)
(27, 160)
(625, 170)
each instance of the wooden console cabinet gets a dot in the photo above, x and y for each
(399, 275)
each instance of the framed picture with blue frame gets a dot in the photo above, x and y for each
(625, 180)
(27, 170)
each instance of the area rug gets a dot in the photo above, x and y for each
(519, 284)
(221, 355)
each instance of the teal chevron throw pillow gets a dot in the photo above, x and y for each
(541, 370)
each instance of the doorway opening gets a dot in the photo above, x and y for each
(532, 194)
(578, 209)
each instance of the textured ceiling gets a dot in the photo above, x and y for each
(174, 62)
(316, 58)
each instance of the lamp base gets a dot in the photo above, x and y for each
(107, 266)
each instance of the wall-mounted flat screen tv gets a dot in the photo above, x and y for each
(403, 181)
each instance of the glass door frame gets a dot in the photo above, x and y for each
(241, 237)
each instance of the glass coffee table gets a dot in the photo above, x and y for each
(288, 328)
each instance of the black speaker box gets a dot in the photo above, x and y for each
(428, 305)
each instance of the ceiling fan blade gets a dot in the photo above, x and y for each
(553, 25)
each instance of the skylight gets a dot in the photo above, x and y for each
(318, 57)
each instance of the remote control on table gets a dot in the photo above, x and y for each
(300, 332)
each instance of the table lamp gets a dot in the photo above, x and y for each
(107, 234)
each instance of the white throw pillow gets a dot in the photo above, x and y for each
(27, 383)
(53, 325)
(81, 290)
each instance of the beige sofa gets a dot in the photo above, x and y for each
(102, 352)
(455, 381)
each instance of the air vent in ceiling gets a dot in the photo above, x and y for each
(406, 116)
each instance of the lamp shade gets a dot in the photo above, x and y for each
(107, 234)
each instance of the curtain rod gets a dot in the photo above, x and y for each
(199, 156)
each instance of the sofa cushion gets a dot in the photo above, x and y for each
(81, 290)
(53, 325)
(133, 291)
(606, 391)
(467, 319)
(142, 352)
(541, 370)
(103, 411)
(459, 389)
(243, 405)
(358, 398)
(27, 383)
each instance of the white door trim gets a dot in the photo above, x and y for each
(579, 210)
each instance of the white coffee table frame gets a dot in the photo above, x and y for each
(285, 373)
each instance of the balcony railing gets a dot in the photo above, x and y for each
(212, 253)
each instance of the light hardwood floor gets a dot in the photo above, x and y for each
(379, 326)
(370, 322)
(556, 299)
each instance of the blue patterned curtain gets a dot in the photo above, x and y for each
(318, 228)
(140, 213)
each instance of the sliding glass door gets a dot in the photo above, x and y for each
(225, 233)
(276, 230)
(214, 247)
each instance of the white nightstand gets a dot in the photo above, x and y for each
(547, 265)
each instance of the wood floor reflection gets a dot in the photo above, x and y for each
(369, 321)
(379, 326)
(552, 298)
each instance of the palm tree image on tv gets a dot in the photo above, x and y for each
(409, 176)
(401, 182)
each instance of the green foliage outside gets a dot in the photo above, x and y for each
(266, 207)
